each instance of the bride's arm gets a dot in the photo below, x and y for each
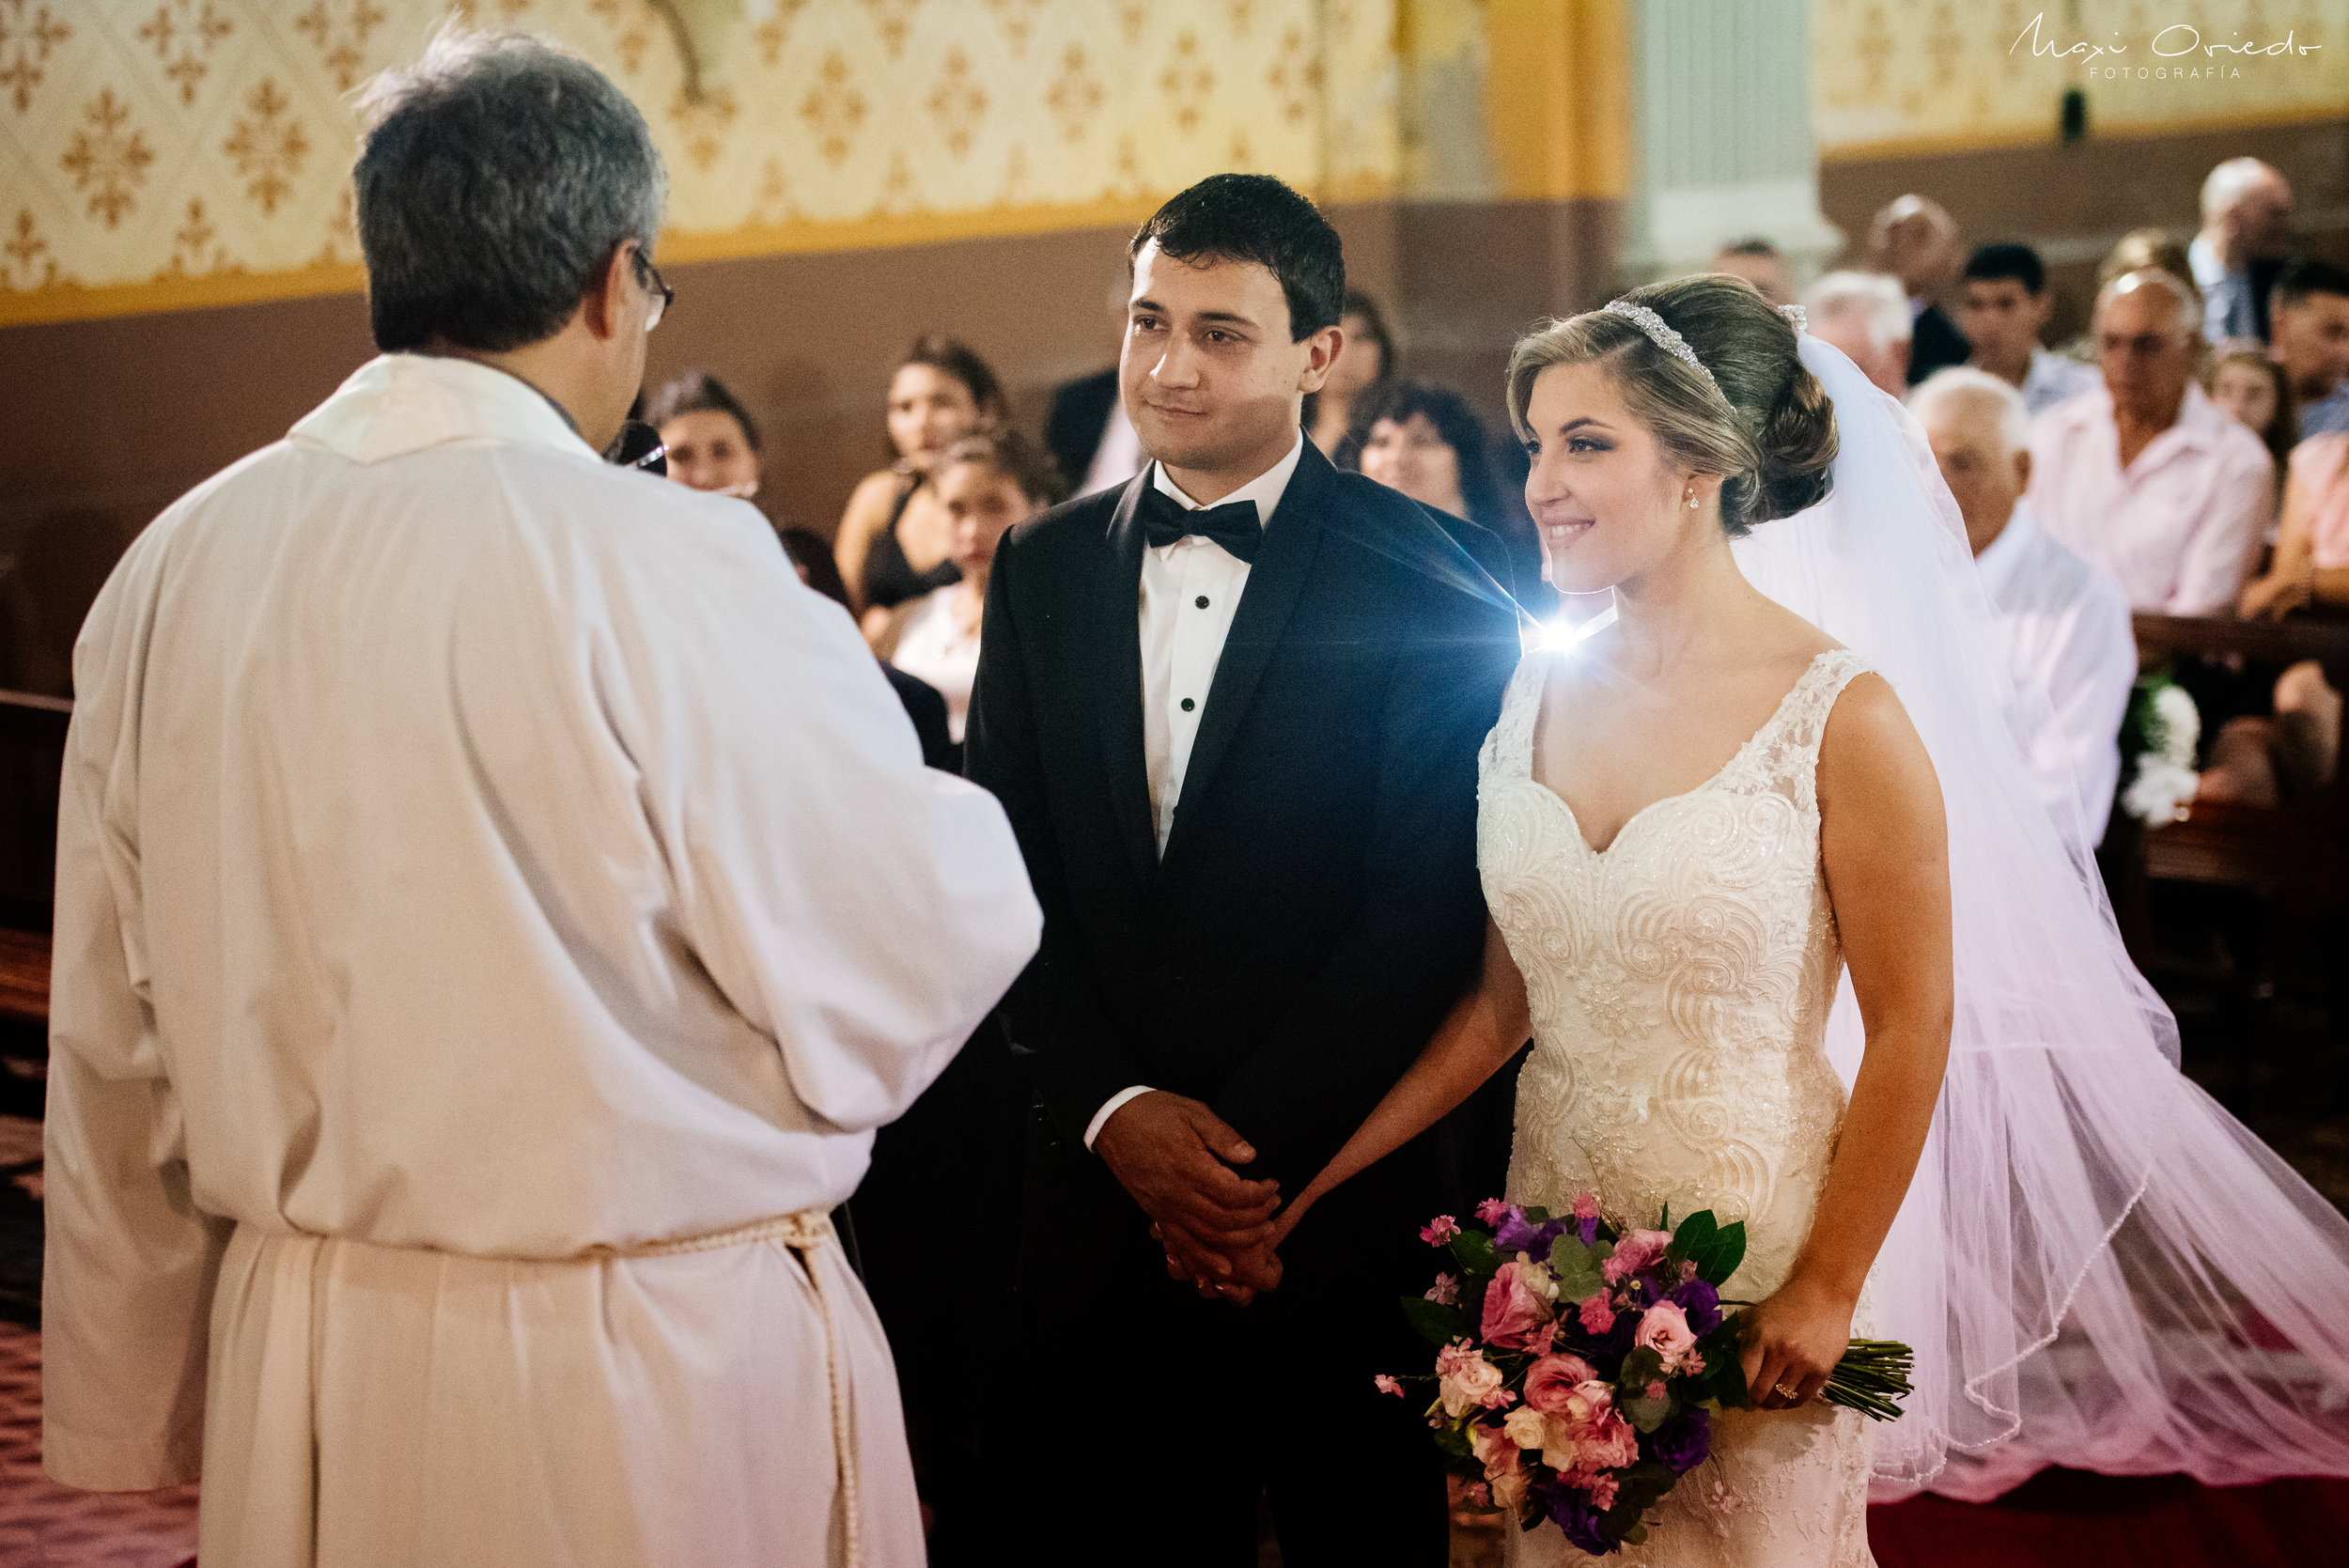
(1884, 842)
(1480, 1033)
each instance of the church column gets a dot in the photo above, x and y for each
(1723, 146)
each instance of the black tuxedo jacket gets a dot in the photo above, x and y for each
(1079, 418)
(1317, 908)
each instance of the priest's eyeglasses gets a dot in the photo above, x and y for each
(662, 295)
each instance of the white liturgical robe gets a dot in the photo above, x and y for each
(496, 902)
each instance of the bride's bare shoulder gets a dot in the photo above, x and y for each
(1873, 761)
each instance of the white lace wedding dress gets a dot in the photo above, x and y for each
(1680, 982)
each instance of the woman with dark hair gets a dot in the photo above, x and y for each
(896, 542)
(1368, 360)
(1427, 443)
(713, 440)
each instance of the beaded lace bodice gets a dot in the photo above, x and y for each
(1680, 981)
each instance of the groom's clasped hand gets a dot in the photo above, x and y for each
(1175, 1157)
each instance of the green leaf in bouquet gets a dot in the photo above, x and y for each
(1577, 1267)
(1474, 1250)
(1453, 1439)
(1728, 1250)
(1438, 1324)
(1640, 1368)
(1536, 1214)
(1640, 1488)
(1693, 1241)
(1646, 1414)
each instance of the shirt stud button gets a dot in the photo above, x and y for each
(1201, 602)
(1189, 705)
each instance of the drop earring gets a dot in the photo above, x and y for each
(1692, 499)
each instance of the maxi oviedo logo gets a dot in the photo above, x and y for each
(2178, 53)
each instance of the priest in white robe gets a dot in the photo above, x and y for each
(496, 904)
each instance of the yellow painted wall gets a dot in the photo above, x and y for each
(1900, 76)
(156, 153)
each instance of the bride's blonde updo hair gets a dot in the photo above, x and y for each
(1769, 432)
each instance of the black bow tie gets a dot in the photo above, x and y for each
(1165, 519)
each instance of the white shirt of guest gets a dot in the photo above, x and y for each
(476, 863)
(2177, 528)
(1118, 457)
(2074, 659)
(939, 647)
(1191, 590)
(2053, 378)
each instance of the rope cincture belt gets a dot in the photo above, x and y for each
(803, 1233)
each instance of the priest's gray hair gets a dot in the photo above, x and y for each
(1966, 384)
(497, 178)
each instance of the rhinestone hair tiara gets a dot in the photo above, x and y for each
(1660, 333)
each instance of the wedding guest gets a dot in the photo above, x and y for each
(894, 542)
(1916, 241)
(1427, 443)
(1760, 263)
(2247, 381)
(987, 485)
(2147, 478)
(2003, 305)
(712, 440)
(2289, 752)
(2309, 312)
(2311, 564)
(2246, 234)
(1367, 361)
(485, 878)
(1865, 315)
(2065, 625)
(2141, 248)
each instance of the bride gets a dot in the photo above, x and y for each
(1772, 896)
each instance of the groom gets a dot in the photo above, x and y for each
(1233, 710)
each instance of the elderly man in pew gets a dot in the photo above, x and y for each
(2065, 624)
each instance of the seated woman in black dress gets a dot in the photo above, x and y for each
(895, 541)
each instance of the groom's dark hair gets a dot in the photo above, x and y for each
(1253, 217)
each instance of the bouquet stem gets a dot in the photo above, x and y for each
(1871, 1379)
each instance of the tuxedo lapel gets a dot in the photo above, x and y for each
(1274, 581)
(1117, 697)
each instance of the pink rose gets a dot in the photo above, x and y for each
(1585, 1434)
(1439, 1231)
(1494, 1449)
(1664, 1328)
(1445, 1291)
(1463, 1378)
(1491, 1210)
(1603, 1490)
(1549, 1380)
(1516, 1303)
(1597, 1315)
(1387, 1385)
(1635, 1253)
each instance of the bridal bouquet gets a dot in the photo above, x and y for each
(1579, 1361)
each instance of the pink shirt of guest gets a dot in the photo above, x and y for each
(2179, 527)
(2320, 470)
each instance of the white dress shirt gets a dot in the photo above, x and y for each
(2179, 527)
(2068, 643)
(1118, 457)
(453, 901)
(1191, 590)
(2053, 378)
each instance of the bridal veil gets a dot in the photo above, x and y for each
(2096, 1264)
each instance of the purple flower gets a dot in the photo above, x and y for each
(1578, 1516)
(1681, 1444)
(1702, 1302)
(1516, 1234)
(1589, 1224)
